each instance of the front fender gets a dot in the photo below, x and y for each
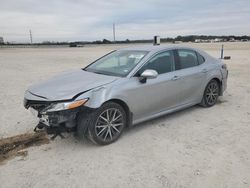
(96, 97)
(100, 95)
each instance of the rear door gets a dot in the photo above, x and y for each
(190, 76)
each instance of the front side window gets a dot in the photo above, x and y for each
(161, 63)
(118, 63)
(187, 59)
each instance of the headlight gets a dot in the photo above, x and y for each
(65, 105)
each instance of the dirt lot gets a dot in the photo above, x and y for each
(196, 147)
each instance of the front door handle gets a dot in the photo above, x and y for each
(204, 71)
(175, 78)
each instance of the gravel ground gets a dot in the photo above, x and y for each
(196, 147)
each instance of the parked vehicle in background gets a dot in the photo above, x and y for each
(126, 87)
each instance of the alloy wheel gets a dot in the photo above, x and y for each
(212, 93)
(109, 124)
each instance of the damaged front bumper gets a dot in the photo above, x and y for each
(57, 121)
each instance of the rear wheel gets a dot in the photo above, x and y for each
(211, 94)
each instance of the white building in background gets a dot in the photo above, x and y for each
(218, 40)
(198, 40)
(201, 40)
(232, 40)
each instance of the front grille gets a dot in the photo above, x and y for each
(37, 105)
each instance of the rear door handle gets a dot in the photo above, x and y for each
(204, 71)
(175, 78)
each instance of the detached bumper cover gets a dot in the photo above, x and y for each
(66, 118)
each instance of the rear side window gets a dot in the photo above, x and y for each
(187, 59)
(201, 59)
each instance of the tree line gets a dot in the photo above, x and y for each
(189, 38)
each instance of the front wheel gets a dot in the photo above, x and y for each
(106, 124)
(211, 94)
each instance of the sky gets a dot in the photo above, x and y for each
(88, 20)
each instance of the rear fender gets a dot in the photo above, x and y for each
(214, 74)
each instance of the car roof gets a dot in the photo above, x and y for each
(156, 48)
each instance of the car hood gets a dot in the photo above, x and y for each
(68, 85)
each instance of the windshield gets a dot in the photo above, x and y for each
(118, 63)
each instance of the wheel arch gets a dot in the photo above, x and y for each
(219, 83)
(129, 114)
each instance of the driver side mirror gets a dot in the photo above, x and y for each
(148, 74)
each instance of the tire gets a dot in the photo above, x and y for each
(83, 121)
(104, 125)
(211, 94)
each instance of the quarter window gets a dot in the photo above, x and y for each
(162, 63)
(201, 59)
(187, 59)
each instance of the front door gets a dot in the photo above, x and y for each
(157, 94)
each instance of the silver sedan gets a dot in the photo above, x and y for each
(126, 87)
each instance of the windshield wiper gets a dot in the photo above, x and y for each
(103, 72)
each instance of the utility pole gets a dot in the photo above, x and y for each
(222, 51)
(114, 31)
(30, 37)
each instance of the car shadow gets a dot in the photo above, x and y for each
(162, 119)
(135, 129)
